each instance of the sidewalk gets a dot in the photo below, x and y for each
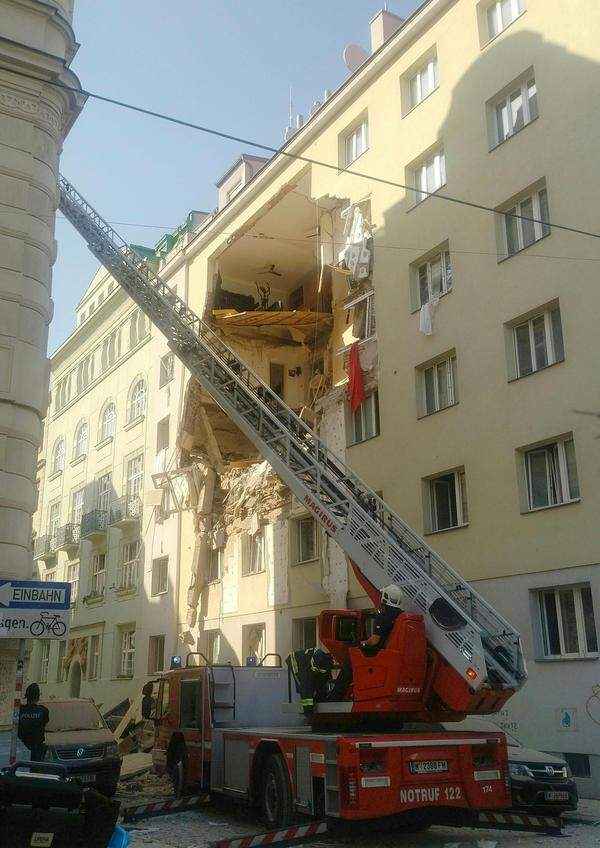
(588, 812)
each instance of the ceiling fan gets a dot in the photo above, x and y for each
(269, 269)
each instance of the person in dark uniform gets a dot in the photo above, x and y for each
(33, 718)
(391, 607)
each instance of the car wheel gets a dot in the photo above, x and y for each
(277, 793)
(179, 772)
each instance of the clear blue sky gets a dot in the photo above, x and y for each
(227, 64)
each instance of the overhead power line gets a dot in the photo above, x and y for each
(281, 151)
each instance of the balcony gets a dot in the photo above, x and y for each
(94, 524)
(67, 538)
(42, 548)
(125, 511)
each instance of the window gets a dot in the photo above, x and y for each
(135, 478)
(579, 764)
(44, 660)
(104, 491)
(77, 499)
(128, 570)
(190, 705)
(98, 574)
(538, 342)
(213, 646)
(156, 654)
(137, 404)
(167, 368)
(231, 192)
(551, 473)
(304, 634)
(127, 659)
(60, 667)
(253, 641)
(162, 444)
(355, 143)
(364, 423)
(515, 110)
(423, 83)
(438, 385)
(533, 224)
(253, 553)
(53, 520)
(362, 316)
(447, 501)
(160, 575)
(81, 440)
(568, 624)
(433, 278)
(501, 13)
(108, 423)
(429, 176)
(215, 566)
(304, 539)
(58, 457)
(73, 579)
(94, 661)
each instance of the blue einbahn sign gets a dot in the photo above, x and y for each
(30, 594)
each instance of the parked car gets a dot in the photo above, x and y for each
(78, 737)
(540, 782)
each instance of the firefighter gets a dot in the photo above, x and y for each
(311, 669)
(33, 718)
(391, 607)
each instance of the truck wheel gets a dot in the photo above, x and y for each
(277, 793)
(415, 821)
(179, 772)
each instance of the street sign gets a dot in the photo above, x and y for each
(34, 610)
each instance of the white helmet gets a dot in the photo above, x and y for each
(392, 596)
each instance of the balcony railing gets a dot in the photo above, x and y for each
(41, 547)
(94, 523)
(66, 537)
(126, 509)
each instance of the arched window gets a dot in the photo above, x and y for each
(108, 421)
(58, 456)
(137, 403)
(81, 440)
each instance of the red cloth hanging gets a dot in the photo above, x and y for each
(356, 389)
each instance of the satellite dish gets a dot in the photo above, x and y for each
(354, 56)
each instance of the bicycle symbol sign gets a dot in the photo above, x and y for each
(34, 610)
(48, 622)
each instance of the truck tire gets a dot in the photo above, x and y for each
(276, 799)
(179, 771)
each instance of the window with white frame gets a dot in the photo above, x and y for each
(77, 500)
(60, 666)
(253, 551)
(94, 661)
(433, 278)
(304, 539)
(501, 14)
(108, 422)
(54, 519)
(437, 385)
(104, 490)
(81, 440)
(423, 82)
(156, 654)
(429, 176)
(160, 575)
(127, 652)
(137, 403)
(362, 314)
(447, 501)
(304, 634)
(355, 143)
(253, 641)
(515, 110)
(213, 646)
(58, 456)
(526, 222)
(567, 622)
(364, 423)
(551, 474)
(135, 478)
(538, 341)
(73, 579)
(215, 565)
(167, 369)
(98, 574)
(44, 660)
(128, 569)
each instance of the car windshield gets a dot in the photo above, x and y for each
(73, 715)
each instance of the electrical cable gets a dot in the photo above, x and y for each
(281, 151)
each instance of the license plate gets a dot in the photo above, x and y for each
(86, 778)
(556, 796)
(428, 766)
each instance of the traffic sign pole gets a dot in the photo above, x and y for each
(17, 703)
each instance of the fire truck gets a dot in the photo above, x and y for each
(382, 750)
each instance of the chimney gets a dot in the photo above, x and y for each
(383, 26)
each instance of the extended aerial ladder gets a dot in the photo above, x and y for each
(481, 661)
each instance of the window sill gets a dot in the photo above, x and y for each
(126, 591)
(584, 658)
(362, 442)
(436, 411)
(123, 677)
(78, 460)
(54, 476)
(417, 309)
(419, 203)
(134, 422)
(416, 106)
(254, 573)
(522, 249)
(305, 561)
(537, 371)
(550, 506)
(507, 27)
(343, 168)
(446, 529)
(217, 580)
(159, 594)
(512, 135)
(103, 442)
(94, 600)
